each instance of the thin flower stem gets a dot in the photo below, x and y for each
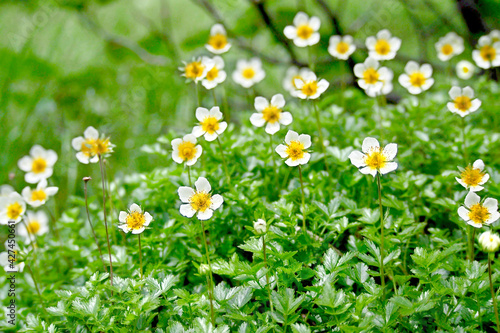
(379, 112)
(197, 91)
(274, 162)
(267, 272)
(472, 244)
(85, 180)
(320, 130)
(464, 142)
(106, 221)
(108, 194)
(342, 93)
(382, 277)
(211, 284)
(189, 175)
(140, 254)
(227, 109)
(224, 160)
(215, 97)
(303, 201)
(493, 296)
(479, 313)
(36, 286)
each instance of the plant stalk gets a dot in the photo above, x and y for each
(85, 180)
(106, 221)
(493, 296)
(382, 277)
(211, 284)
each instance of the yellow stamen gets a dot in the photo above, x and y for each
(310, 88)
(39, 165)
(210, 125)
(14, 210)
(447, 49)
(135, 220)
(471, 176)
(382, 47)
(194, 70)
(217, 41)
(304, 31)
(417, 79)
(342, 47)
(295, 150)
(478, 213)
(212, 74)
(187, 150)
(463, 103)
(201, 201)
(248, 73)
(376, 159)
(38, 195)
(271, 114)
(371, 76)
(488, 53)
(33, 227)
(294, 78)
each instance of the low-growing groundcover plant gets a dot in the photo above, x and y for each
(317, 208)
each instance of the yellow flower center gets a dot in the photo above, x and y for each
(33, 227)
(375, 159)
(463, 103)
(370, 75)
(248, 73)
(201, 201)
(212, 74)
(465, 69)
(295, 150)
(310, 88)
(488, 53)
(194, 70)
(417, 79)
(294, 78)
(382, 47)
(210, 125)
(217, 41)
(471, 176)
(271, 114)
(86, 148)
(39, 165)
(447, 49)
(187, 150)
(135, 220)
(478, 213)
(38, 195)
(14, 210)
(304, 31)
(342, 47)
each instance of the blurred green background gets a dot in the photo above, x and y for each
(69, 64)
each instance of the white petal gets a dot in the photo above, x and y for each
(455, 92)
(91, 133)
(390, 151)
(122, 217)
(468, 91)
(201, 114)
(290, 32)
(272, 128)
(281, 150)
(291, 136)
(215, 112)
(134, 208)
(369, 144)
(300, 18)
(260, 103)
(138, 231)
(202, 184)
(205, 215)
(198, 131)
(278, 101)
(368, 171)
(217, 201)
(471, 199)
(185, 193)
(305, 139)
(77, 142)
(186, 210)
(257, 119)
(286, 118)
(25, 163)
(222, 127)
(478, 164)
(388, 167)
(491, 204)
(357, 158)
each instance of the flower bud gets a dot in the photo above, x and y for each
(260, 226)
(204, 269)
(489, 241)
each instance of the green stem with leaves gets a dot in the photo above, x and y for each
(224, 160)
(303, 201)
(382, 276)
(267, 272)
(493, 295)
(106, 220)
(85, 181)
(140, 255)
(211, 284)
(464, 142)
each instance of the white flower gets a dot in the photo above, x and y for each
(463, 101)
(260, 226)
(90, 146)
(38, 224)
(216, 75)
(383, 47)
(489, 241)
(12, 208)
(304, 31)
(38, 196)
(210, 123)
(197, 69)
(374, 159)
(309, 86)
(186, 150)
(270, 113)
(341, 47)
(200, 201)
(465, 69)
(295, 149)
(291, 75)
(477, 214)
(38, 164)
(417, 78)
(6, 190)
(449, 46)
(386, 84)
(487, 54)
(371, 78)
(136, 220)
(473, 177)
(4, 261)
(248, 72)
(217, 43)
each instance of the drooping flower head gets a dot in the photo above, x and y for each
(12, 208)
(291, 75)
(476, 213)
(91, 145)
(37, 224)
(487, 54)
(186, 150)
(417, 78)
(304, 31)
(135, 220)
(295, 149)
(38, 196)
(449, 46)
(271, 113)
(371, 77)
(473, 177)
(248, 72)
(199, 201)
(309, 86)
(489, 241)
(260, 226)
(38, 165)
(217, 42)
(216, 75)
(374, 159)
(197, 69)
(341, 47)
(211, 124)
(463, 101)
(384, 46)
(465, 69)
